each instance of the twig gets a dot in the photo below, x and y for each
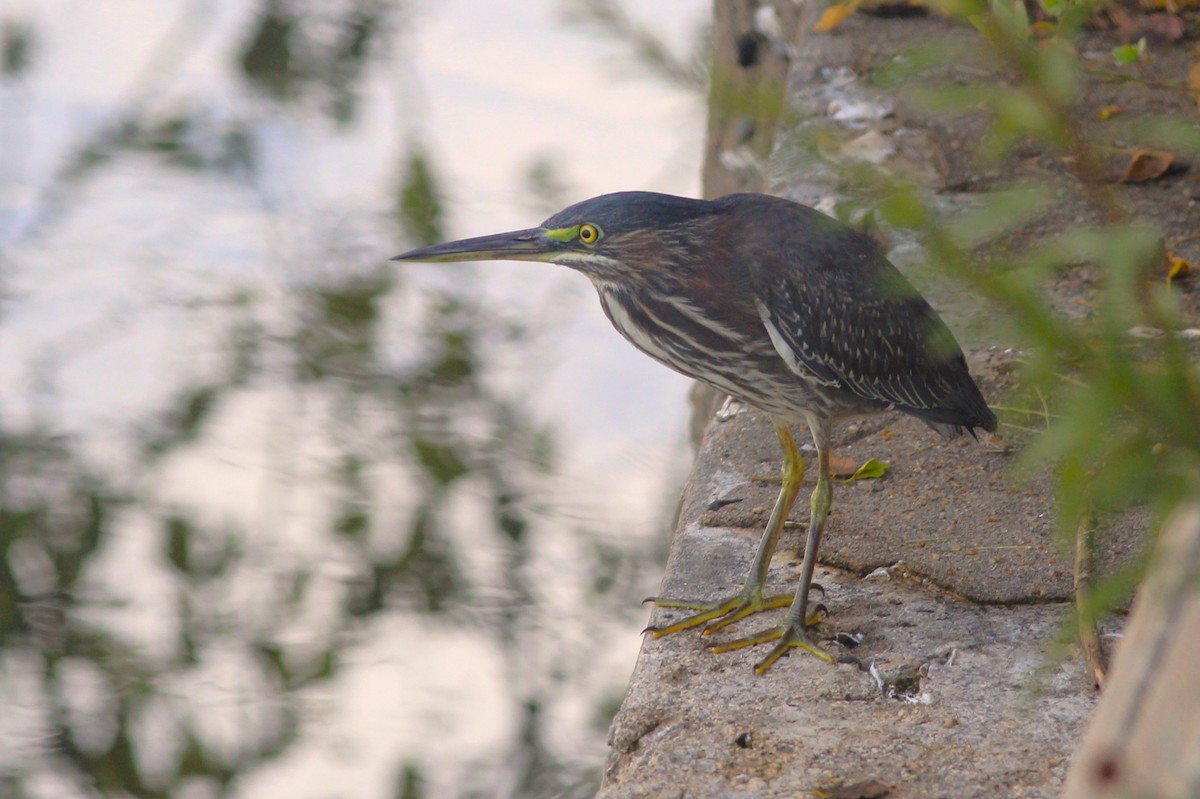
(1089, 636)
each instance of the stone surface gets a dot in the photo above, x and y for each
(990, 714)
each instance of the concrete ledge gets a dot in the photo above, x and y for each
(947, 697)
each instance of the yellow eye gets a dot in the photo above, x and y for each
(589, 234)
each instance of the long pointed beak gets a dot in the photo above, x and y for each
(519, 245)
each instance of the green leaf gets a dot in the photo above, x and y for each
(871, 470)
(1128, 54)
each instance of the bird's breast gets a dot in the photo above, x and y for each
(683, 336)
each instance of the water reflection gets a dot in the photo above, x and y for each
(273, 519)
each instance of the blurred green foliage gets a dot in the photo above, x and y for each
(435, 414)
(1114, 392)
(16, 47)
(296, 51)
(391, 378)
(411, 785)
(419, 206)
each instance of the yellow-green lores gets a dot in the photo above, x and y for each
(563, 233)
(585, 233)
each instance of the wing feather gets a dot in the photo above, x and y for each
(839, 313)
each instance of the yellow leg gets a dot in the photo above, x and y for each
(750, 600)
(791, 635)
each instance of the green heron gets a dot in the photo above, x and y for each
(775, 304)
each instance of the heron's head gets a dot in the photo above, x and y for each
(614, 238)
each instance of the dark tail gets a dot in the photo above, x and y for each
(961, 412)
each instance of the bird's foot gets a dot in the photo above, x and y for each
(717, 615)
(789, 636)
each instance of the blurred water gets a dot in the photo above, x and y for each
(280, 518)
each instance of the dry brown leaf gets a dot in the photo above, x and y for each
(1147, 165)
(1177, 267)
(842, 465)
(835, 15)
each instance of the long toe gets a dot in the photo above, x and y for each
(715, 615)
(790, 638)
(787, 636)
